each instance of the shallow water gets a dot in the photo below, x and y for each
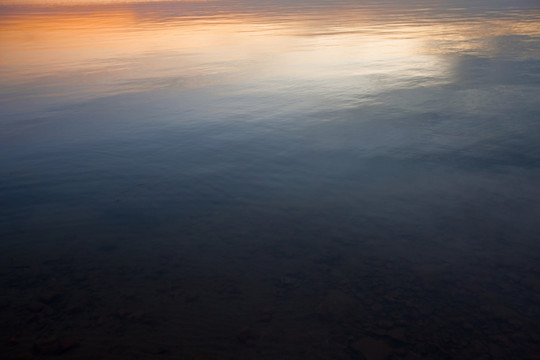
(262, 179)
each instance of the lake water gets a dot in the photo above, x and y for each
(270, 179)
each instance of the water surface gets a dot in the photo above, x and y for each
(261, 179)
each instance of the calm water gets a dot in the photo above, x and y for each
(270, 179)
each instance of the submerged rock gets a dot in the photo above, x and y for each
(35, 307)
(24, 356)
(372, 349)
(53, 346)
(339, 306)
(398, 334)
(49, 297)
(247, 335)
(14, 339)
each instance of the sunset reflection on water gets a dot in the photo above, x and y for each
(342, 51)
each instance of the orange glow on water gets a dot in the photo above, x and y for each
(104, 45)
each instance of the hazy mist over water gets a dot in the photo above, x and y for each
(258, 179)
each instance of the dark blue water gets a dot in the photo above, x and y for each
(242, 180)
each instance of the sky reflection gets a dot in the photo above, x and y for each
(348, 53)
